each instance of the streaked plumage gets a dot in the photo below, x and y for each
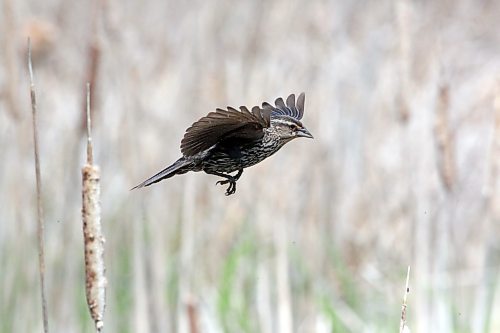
(225, 141)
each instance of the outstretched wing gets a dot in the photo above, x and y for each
(291, 108)
(225, 124)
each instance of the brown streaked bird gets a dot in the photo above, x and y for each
(231, 140)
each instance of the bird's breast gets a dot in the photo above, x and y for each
(230, 160)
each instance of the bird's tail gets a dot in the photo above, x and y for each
(179, 167)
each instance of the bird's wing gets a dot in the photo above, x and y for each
(225, 124)
(291, 108)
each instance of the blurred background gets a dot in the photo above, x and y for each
(403, 100)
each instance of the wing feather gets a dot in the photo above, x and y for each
(291, 108)
(241, 124)
(222, 124)
(290, 101)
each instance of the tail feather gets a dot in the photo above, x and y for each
(179, 167)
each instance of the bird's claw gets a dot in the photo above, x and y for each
(222, 182)
(231, 188)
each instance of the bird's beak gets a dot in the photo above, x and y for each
(304, 133)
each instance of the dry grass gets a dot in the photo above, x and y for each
(316, 237)
(39, 210)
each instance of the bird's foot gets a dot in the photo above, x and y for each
(231, 189)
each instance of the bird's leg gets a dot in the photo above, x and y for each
(238, 175)
(229, 179)
(232, 183)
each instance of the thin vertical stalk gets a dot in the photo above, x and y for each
(41, 223)
(402, 326)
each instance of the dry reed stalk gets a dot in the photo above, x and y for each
(41, 223)
(93, 56)
(444, 139)
(95, 279)
(403, 328)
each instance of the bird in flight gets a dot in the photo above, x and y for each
(226, 141)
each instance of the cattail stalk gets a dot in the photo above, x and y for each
(93, 56)
(402, 326)
(95, 279)
(41, 223)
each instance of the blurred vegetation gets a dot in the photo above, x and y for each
(403, 100)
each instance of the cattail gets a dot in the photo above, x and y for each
(95, 279)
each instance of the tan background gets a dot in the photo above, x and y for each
(404, 168)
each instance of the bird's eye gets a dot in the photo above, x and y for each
(293, 127)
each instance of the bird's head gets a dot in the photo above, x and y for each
(288, 128)
(285, 118)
